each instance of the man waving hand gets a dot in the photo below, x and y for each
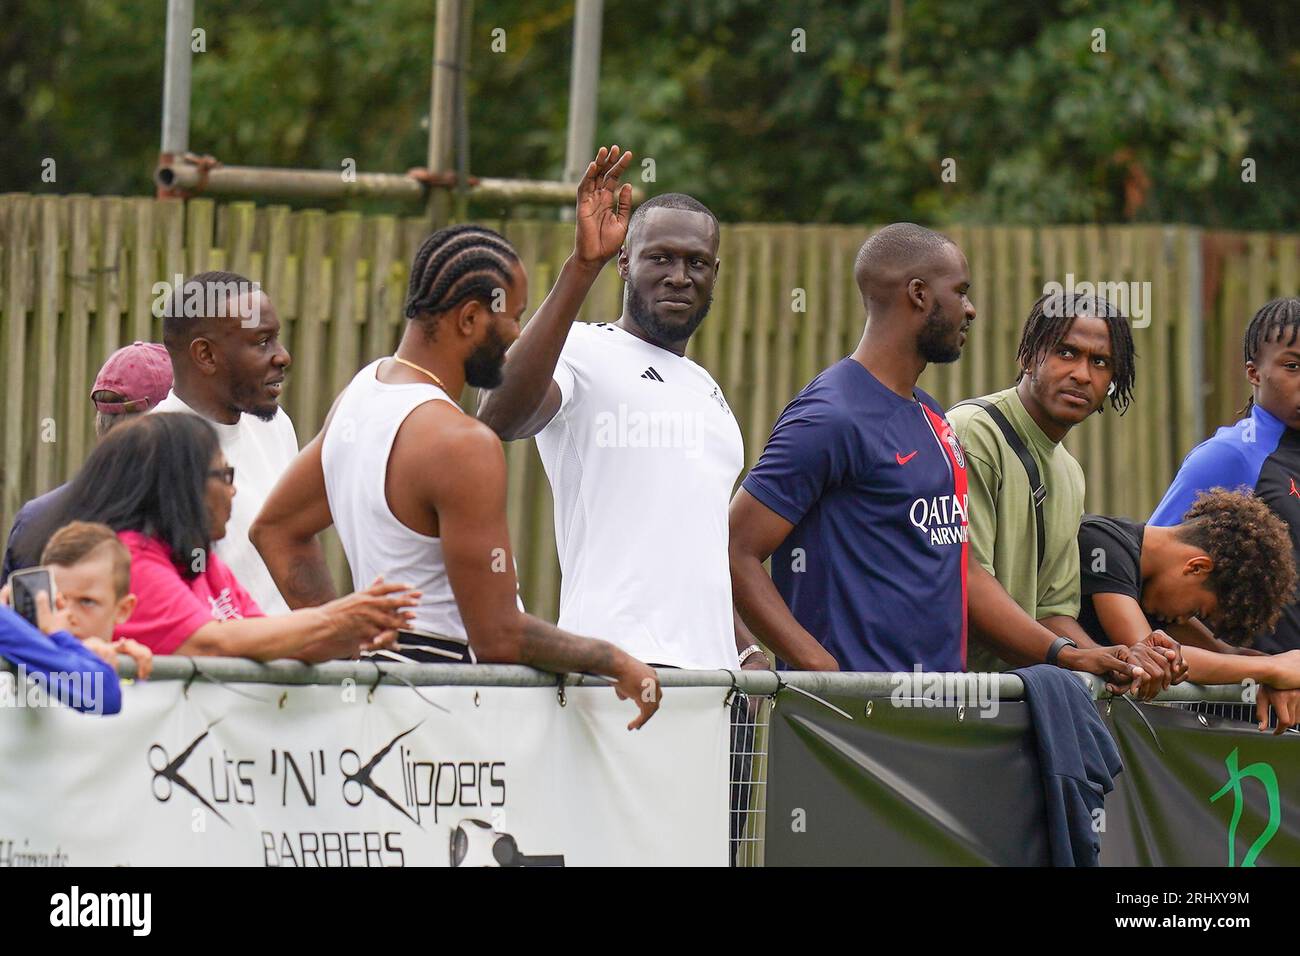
(638, 442)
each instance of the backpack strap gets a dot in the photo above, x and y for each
(1036, 487)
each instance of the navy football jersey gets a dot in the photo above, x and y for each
(875, 486)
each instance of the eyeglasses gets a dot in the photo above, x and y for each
(226, 474)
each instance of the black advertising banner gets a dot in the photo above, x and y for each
(920, 785)
(1200, 791)
(902, 786)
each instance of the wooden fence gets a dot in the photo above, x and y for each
(76, 277)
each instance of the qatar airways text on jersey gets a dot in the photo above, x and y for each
(943, 518)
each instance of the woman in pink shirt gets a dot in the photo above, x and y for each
(164, 486)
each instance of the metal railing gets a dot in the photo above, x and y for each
(754, 682)
(751, 696)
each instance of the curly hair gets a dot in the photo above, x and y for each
(1254, 574)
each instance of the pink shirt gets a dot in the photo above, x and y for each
(170, 609)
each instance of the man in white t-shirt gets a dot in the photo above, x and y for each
(640, 447)
(417, 488)
(228, 366)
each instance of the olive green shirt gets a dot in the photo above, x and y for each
(1003, 534)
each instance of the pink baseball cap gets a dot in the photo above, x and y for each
(140, 372)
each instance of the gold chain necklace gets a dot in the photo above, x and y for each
(420, 368)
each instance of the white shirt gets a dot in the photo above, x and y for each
(642, 458)
(259, 452)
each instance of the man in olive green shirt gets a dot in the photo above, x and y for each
(1075, 351)
(1003, 531)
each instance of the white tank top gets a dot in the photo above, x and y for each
(354, 456)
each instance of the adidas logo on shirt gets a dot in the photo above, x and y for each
(651, 374)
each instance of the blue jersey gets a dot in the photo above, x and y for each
(1261, 454)
(72, 674)
(875, 486)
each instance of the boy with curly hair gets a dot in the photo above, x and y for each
(1228, 564)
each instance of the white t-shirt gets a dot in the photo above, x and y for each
(260, 452)
(642, 458)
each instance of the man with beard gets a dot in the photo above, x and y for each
(417, 488)
(639, 445)
(1075, 352)
(228, 366)
(861, 492)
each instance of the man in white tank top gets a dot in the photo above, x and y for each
(417, 488)
(639, 444)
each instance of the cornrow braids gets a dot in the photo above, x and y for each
(1254, 574)
(1271, 324)
(1050, 319)
(456, 264)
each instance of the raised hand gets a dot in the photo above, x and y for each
(604, 207)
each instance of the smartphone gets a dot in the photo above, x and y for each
(25, 585)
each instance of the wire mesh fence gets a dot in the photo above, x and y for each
(1234, 711)
(750, 717)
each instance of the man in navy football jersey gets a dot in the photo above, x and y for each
(860, 498)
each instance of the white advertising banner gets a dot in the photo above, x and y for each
(332, 776)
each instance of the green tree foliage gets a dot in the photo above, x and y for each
(766, 109)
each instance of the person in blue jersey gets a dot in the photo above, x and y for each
(1260, 452)
(860, 498)
(50, 656)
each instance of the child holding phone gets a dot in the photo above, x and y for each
(91, 569)
(51, 656)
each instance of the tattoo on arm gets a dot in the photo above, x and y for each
(548, 648)
(309, 583)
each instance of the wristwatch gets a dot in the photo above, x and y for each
(749, 652)
(1054, 651)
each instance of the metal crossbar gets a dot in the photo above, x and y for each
(752, 698)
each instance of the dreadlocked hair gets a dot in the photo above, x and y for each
(456, 264)
(1254, 574)
(1049, 321)
(1271, 323)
